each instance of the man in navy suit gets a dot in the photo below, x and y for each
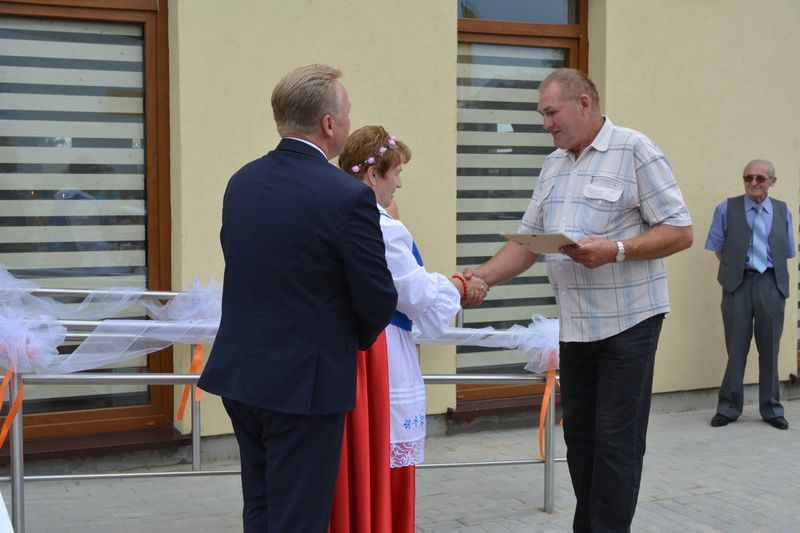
(306, 284)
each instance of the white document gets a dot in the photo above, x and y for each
(540, 243)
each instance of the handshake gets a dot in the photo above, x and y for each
(472, 288)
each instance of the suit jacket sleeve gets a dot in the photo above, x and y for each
(371, 287)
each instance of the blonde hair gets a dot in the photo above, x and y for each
(303, 96)
(366, 142)
(573, 83)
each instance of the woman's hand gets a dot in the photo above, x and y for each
(476, 290)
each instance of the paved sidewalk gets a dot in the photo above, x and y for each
(741, 478)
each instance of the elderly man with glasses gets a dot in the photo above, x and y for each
(752, 237)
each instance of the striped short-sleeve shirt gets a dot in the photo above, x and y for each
(618, 188)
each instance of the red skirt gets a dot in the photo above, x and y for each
(362, 498)
(369, 496)
(403, 494)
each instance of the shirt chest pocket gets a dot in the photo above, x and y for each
(601, 202)
(545, 188)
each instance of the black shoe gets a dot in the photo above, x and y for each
(720, 420)
(777, 422)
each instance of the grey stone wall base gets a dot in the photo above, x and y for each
(224, 448)
(662, 403)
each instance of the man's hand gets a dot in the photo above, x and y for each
(592, 252)
(657, 242)
(477, 289)
(469, 272)
(510, 261)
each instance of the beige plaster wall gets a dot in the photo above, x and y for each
(225, 58)
(705, 80)
(712, 84)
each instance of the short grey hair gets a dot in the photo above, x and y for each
(573, 84)
(303, 96)
(766, 162)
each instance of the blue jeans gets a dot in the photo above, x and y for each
(605, 393)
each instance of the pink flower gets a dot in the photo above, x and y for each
(382, 150)
(371, 160)
(356, 169)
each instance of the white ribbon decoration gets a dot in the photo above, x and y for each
(28, 343)
(191, 317)
(539, 340)
(30, 334)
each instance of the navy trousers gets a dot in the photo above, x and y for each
(605, 393)
(289, 467)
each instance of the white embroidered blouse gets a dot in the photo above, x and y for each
(431, 301)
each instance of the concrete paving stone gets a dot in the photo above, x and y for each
(701, 528)
(696, 478)
(443, 526)
(665, 513)
(696, 491)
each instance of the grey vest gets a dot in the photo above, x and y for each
(737, 238)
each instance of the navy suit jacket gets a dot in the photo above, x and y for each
(306, 284)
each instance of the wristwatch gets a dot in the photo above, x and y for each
(620, 252)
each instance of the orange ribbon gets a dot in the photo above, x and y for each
(548, 391)
(4, 386)
(195, 367)
(15, 405)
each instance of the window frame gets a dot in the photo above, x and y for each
(573, 38)
(152, 14)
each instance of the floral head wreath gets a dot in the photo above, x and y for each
(391, 144)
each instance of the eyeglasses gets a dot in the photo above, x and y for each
(759, 179)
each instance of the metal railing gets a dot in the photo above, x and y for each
(18, 479)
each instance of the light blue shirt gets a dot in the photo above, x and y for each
(719, 228)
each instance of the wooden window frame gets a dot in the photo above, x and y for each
(152, 14)
(573, 38)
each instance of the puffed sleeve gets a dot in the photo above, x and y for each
(429, 299)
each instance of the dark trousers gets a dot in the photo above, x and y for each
(605, 393)
(756, 306)
(289, 467)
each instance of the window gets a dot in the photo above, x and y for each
(84, 190)
(501, 146)
(72, 152)
(541, 11)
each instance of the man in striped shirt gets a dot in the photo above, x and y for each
(611, 190)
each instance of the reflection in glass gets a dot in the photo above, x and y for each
(539, 11)
(72, 172)
(501, 146)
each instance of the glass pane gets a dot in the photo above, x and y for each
(72, 170)
(541, 11)
(501, 146)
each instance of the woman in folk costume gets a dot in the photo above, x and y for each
(428, 300)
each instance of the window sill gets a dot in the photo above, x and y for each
(99, 444)
(470, 409)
